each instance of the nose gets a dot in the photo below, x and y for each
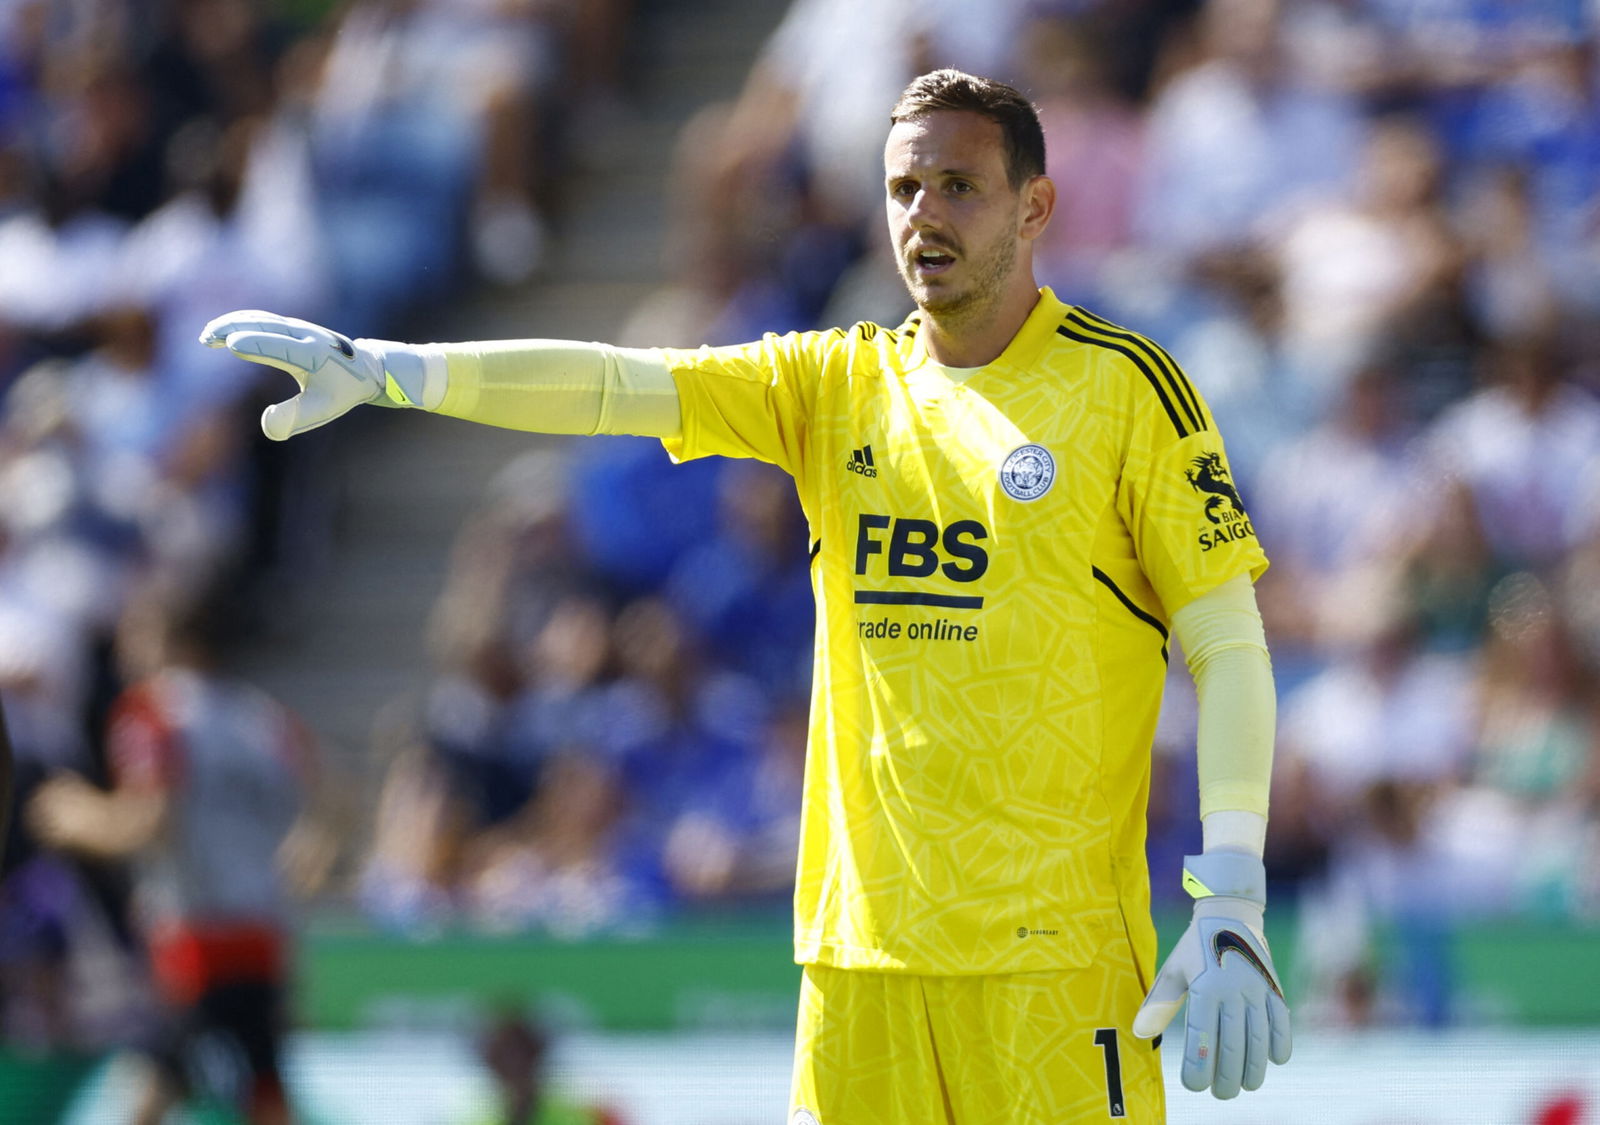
(922, 212)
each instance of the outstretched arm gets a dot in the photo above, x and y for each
(549, 386)
(1237, 1019)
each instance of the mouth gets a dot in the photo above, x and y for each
(932, 261)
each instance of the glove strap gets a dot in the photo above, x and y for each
(1235, 874)
(411, 376)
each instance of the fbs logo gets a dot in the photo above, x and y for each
(861, 462)
(917, 548)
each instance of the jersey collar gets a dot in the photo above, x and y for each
(1035, 334)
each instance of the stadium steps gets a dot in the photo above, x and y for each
(352, 636)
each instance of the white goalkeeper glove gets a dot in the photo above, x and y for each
(1237, 1016)
(336, 374)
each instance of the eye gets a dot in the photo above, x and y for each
(961, 187)
(903, 189)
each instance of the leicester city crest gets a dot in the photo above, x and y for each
(1027, 472)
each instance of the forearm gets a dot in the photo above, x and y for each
(1223, 641)
(1237, 1018)
(128, 827)
(69, 813)
(551, 386)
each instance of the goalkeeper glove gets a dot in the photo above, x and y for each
(335, 373)
(1237, 1016)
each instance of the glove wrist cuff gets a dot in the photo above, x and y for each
(411, 376)
(1226, 873)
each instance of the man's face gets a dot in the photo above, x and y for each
(954, 219)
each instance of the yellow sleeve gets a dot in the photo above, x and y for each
(558, 387)
(1226, 649)
(1190, 528)
(749, 400)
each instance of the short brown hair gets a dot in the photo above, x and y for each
(1004, 105)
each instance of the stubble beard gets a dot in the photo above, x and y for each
(974, 302)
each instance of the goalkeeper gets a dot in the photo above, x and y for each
(1013, 504)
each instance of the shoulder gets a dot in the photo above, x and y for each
(866, 348)
(773, 356)
(137, 706)
(254, 702)
(867, 332)
(1133, 369)
(866, 337)
(142, 736)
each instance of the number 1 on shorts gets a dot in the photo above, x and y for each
(1106, 1039)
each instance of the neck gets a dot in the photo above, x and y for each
(963, 338)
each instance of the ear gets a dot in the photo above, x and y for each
(1038, 204)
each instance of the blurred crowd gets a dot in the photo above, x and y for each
(162, 162)
(1370, 229)
(619, 723)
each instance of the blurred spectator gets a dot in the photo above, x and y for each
(561, 868)
(746, 589)
(215, 238)
(514, 558)
(516, 1052)
(1536, 742)
(1333, 503)
(1554, 98)
(1095, 151)
(1383, 709)
(1523, 448)
(411, 872)
(686, 742)
(766, 851)
(497, 728)
(209, 59)
(1391, 866)
(516, 788)
(57, 255)
(1236, 137)
(1351, 266)
(430, 113)
(1511, 281)
(746, 852)
(632, 520)
(1447, 571)
(208, 777)
(124, 420)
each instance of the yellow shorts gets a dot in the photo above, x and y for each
(1050, 1048)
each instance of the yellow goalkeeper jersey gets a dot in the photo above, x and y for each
(995, 556)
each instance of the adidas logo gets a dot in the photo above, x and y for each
(861, 462)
